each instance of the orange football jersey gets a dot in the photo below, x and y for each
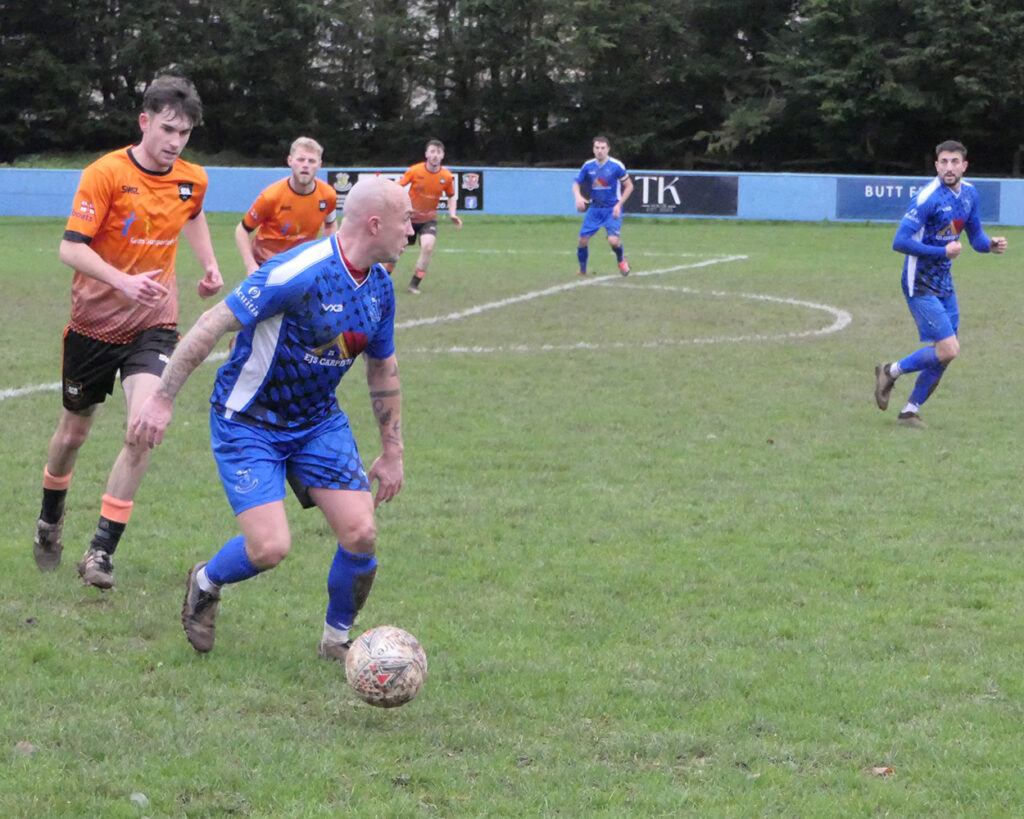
(283, 218)
(425, 189)
(132, 218)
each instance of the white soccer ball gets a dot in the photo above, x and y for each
(386, 666)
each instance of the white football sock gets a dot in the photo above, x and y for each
(204, 582)
(335, 635)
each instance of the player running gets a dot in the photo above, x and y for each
(929, 235)
(427, 181)
(122, 240)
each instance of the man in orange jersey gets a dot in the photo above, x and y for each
(290, 211)
(427, 181)
(121, 240)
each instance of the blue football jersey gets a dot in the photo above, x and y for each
(601, 182)
(937, 215)
(305, 320)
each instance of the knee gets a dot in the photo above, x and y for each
(268, 550)
(71, 433)
(71, 437)
(136, 451)
(947, 350)
(360, 537)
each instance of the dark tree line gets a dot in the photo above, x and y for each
(831, 85)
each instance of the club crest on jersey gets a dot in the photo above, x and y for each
(184, 191)
(372, 309)
(323, 205)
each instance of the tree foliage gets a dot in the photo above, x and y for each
(841, 85)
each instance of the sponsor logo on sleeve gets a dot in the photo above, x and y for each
(85, 211)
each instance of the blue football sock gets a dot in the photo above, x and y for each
(348, 586)
(921, 360)
(618, 252)
(926, 383)
(231, 564)
(582, 253)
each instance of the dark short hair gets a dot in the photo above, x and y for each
(436, 142)
(176, 93)
(601, 138)
(951, 146)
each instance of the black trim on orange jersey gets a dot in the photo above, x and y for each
(75, 236)
(135, 162)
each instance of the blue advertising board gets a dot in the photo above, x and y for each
(885, 199)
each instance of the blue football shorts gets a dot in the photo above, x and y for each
(254, 462)
(937, 317)
(596, 218)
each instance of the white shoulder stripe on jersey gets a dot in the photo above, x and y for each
(315, 253)
(928, 190)
(257, 365)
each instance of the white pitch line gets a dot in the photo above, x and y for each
(671, 254)
(561, 288)
(841, 319)
(841, 322)
(17, 392)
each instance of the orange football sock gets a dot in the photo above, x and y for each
(116, 509)
(55, 481)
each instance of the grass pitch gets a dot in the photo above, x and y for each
(664, 554)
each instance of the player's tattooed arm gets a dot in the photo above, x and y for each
(196, 345)
(386, 400)
(151, 421)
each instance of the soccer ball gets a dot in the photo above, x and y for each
(386, 666)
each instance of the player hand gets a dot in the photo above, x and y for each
(457, 221)
(581, 205)
(210, 283)
(387, 470)
(953, 250)
(149, 425)
(617, 212)
(998, 244)
(144, 288)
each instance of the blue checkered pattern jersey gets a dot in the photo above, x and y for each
(601, 182)
(936, 216)
(305, 320)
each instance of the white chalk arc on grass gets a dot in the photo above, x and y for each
(840, 320)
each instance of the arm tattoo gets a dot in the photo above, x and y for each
(197, 344)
